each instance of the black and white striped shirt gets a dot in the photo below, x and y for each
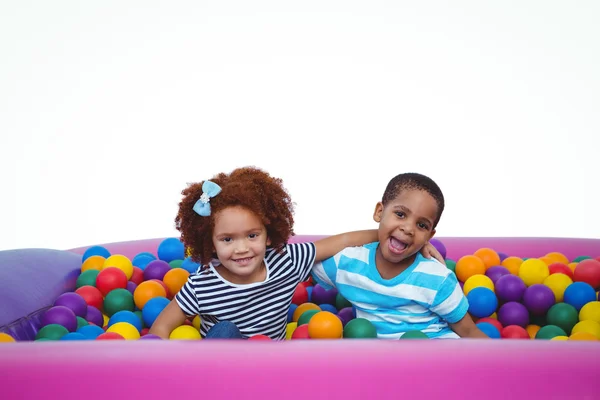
(256, 308)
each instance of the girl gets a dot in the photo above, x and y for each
(237, 226)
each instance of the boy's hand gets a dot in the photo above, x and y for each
(429, 251)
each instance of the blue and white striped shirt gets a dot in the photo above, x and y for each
(426, 296)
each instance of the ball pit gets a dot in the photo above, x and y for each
(107, 329)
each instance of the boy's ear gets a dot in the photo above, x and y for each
(378, 211)
(432, 234)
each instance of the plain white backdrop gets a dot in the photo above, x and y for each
(108, 109)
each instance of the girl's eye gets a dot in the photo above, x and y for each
(227, 239)
(253, 235)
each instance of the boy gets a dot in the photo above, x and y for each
(389, 282)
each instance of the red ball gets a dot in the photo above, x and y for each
(588, 271)
(305, 284)
(514, 332)
(138, 276)
(144, 331)
(492, 321)
(301, 332)
(111, 278)
(165, 286)
(92, 296)
(109, 336)
(259, 337)
(560, 268)
(300, 295)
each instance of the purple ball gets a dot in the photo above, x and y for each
(156, 270)
(346, 315)
(538, 299)
(320, 295)
(131, 286)
(150, 336)
(510, 288)
(74, 302)
(94, 316)
(513, 313)
(439, 247)
(503, 256)
(496, 272)
(60, 315)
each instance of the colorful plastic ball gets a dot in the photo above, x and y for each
(512, 264)
(81, 322)
(185, 332)
(496, 272)
(189, 265)
(490, 330)
(128, 331)
(513, 313)
(90, 331)
(94, 316)
(341, 302)
(147, 291)
(583, 336)
(290, 314)
(560, 338)
(538, 299)
(558, 283)
(141, 261)
(300, 295)
(579, 294)
(451, 265)
(171, 249)
(588, 271)
(289, 330)
(591, 327)
(482, 302)
(131, 287)
(156, 270)
(329, 307)
(514, 332)
(6, 338)
(413, 334)
(581, 258)
(110, 336)
(176, 264)
(137, 276)
(87, 278)
(469, 265)
(533, 271)
(550, 331)
(492, 321)
(51, 332)
(95, 251)
(488, 256)
(301, 332)
(153, 308)
(111, 278)
(562, 315)
(73, 301)
(476, 281)
(74, 336)
(196, 322)
(118, 300)
(510, 288)
(346, 315)
(121, 262)
(260, 337)
(502, 256)
(302, 308)
(60, 315)
(126, 316)
(359, 328)
(307, 316)
(92, 296)
(321, 295)
(532, 330)
(325, 325)
(143, 254)
(150, 336)
(93, 263)
(590, 312)
(559, 268)
(175, 279)
(439, 246)
(558, 257)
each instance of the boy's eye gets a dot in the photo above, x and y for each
(400, 214)
(423, 226)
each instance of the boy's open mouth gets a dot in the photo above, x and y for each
(397, 246)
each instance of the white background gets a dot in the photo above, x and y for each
(108, 109)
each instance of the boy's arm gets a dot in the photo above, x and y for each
(330, 246)
(466, 328)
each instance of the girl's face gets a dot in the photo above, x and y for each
(240, 240)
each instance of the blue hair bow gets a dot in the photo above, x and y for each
(202, 206)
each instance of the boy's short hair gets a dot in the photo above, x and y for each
(412, 181)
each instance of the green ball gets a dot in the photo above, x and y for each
(451, 265)
(414, 335)
(81, 322)
(341, 302)
(52, 332)
(360, 328)
(139, 314)
(176, 263)
(306, 316)
(549, 331)
(563, 315)
(118, 300)
(581, 258)
(87, 278)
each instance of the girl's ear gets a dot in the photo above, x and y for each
(268, 241)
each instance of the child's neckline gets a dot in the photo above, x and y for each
(376, 276)
(244, 285)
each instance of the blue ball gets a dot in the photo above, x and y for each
(95, 251)
(90, 331)
(153, 308)
(189, 265)
(141, 261)
(126, 316)
(579, 294)
(309, 290)
(290, 316)
(74, 336)
(171, 249)
(328, 307)
(489, 329)
(482, 302)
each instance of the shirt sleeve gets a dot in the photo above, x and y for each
(186, 297)
(450, 302)
(303, 257)
(325, 272)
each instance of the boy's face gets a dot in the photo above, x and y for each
(405, 224)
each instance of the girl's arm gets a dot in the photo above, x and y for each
(169, 319)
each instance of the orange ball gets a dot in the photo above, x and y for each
(532, 330)
(512, 264)
(583, 336)
(93, 262)
(467, 266)
(572, 266)
(489, 257)
(302, 308)
(325, 325)
(146, 291)
(175, 279)
(558, 257)
(548, 260)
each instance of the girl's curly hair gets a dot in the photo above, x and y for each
(248, 187)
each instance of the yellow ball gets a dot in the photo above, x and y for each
(121, 262)
(494, 315)
(105, 320)
(125, 329)
(196, 322)
(185, 332)
(6, 338)
(590, 312)
(560, 338)
(591, 327)
(533, 271)
(558, 283)
(476, 281)
(289, 330)
(572, 266)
